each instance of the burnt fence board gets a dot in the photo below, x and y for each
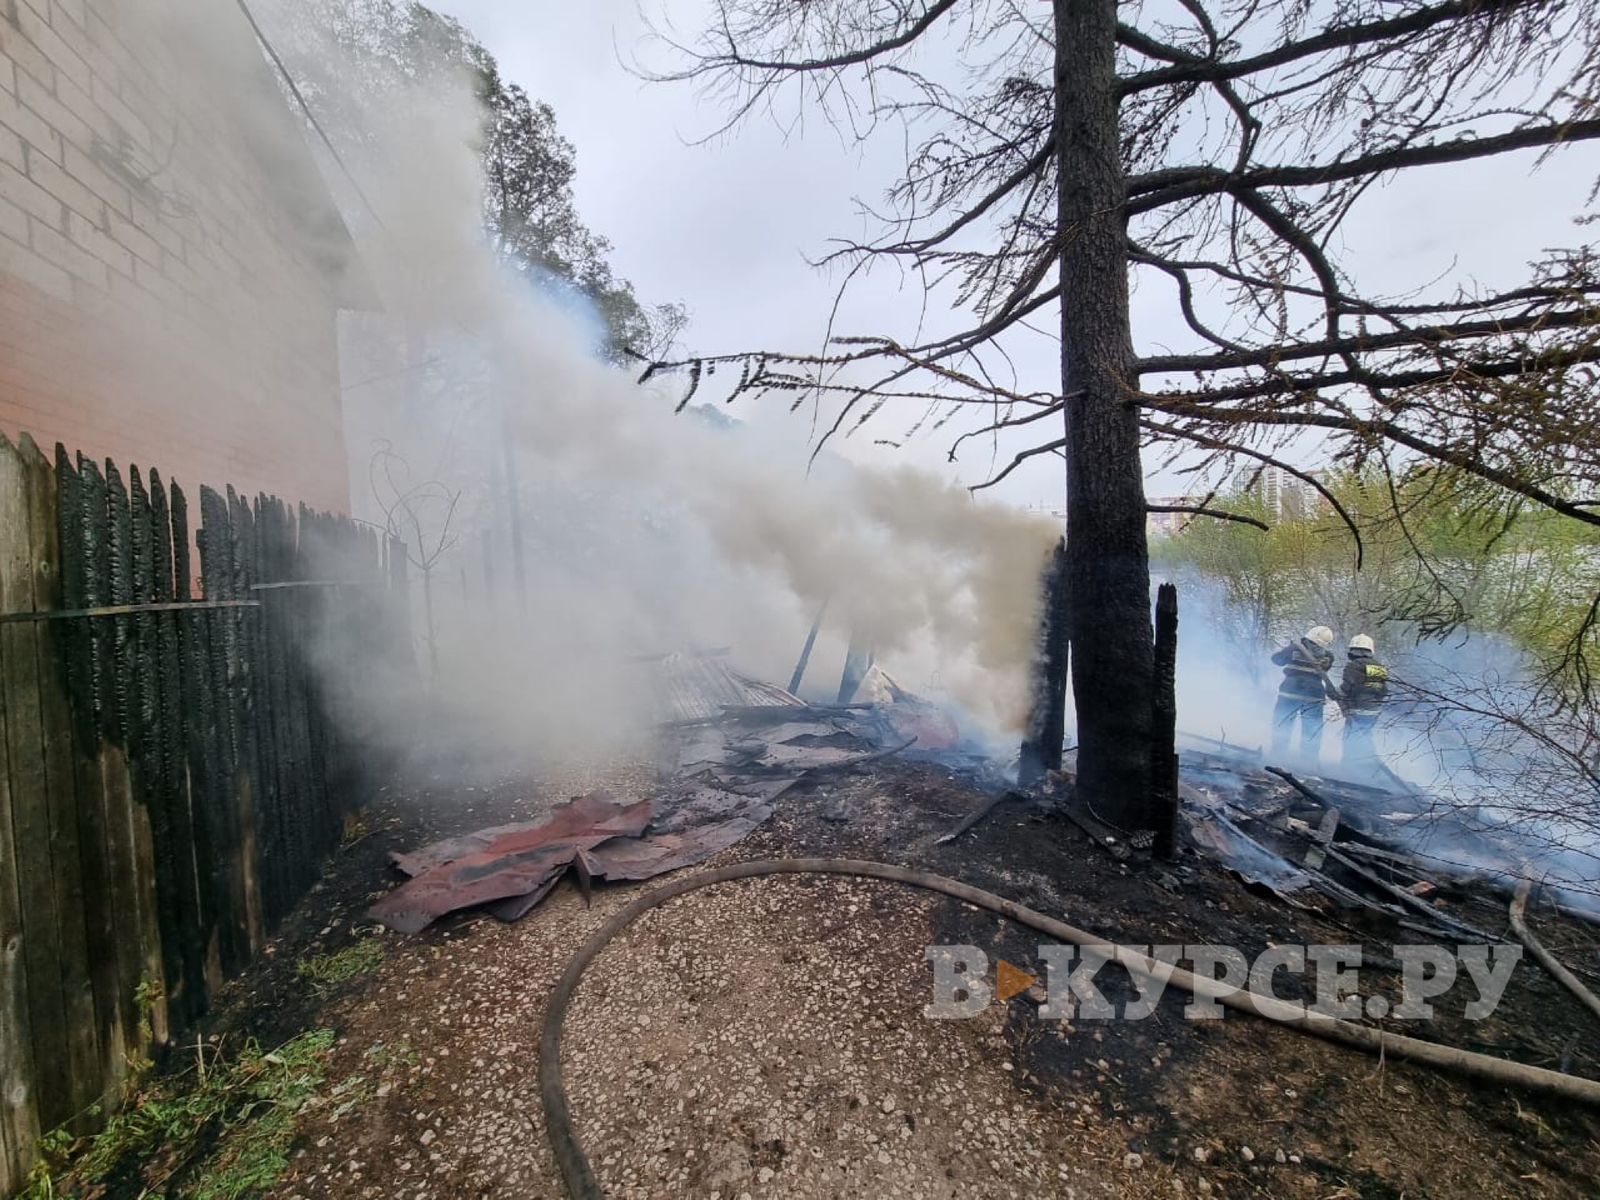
(188, 823)
(144, 735)
(210, 758)
(249, 759)
(172, 776)
(122, 774)
(19, 1114)
(30, 800)
(80, 1013)
(94, 694)
(99, 910)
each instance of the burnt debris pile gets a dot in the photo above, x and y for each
(728, 747)
(1318, 840)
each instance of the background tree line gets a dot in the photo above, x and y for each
(1485, 618)
(530, 213)
(1437, 565)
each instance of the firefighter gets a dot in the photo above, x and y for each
(1303, 692)
(1363, 687)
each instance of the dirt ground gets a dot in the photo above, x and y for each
(766, 1037)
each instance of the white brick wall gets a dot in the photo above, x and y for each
(135, 215)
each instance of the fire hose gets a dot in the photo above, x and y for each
(579, 1176)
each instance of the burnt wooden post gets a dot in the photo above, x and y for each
(857, 662)
(1164, 748)
(1047, 713)
(805, 651)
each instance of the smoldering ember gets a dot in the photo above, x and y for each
(896, 598)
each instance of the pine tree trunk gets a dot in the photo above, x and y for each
(1108, 567)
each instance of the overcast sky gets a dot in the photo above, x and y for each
(727, 227)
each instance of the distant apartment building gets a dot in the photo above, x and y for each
(171, 263)
(1165, 524)
(1286, 496)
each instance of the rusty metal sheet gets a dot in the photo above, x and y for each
(577, 816)
(515, 864)
(645, 858)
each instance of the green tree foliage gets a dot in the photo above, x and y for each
(1436, 561)
(385, 47)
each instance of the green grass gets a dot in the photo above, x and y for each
(223, 1133)
(325, 971)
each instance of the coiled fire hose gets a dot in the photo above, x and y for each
(579, 1177)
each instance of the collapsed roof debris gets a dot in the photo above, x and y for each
(1397, 852)
(517, 864)
(699, 686)
(730, 747)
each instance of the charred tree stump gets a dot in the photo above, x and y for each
(1164, 724)
(1047, 716)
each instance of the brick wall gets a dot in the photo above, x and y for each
(170, 262)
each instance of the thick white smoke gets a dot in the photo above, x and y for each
(646, 529)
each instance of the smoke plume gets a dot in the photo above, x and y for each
(645, 530)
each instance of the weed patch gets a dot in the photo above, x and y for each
(325, 971)
(217, 1132)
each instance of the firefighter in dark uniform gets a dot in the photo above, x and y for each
(1304, 691)
(1363, 687)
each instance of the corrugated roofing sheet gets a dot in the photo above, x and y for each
(697, 687)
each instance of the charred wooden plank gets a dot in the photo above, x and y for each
(191, 823)
(19, 1097)
(101, 742)
(241, 696)
(120, 771)
(976, 815)
(208, 754)
(30, 801)
(113, 994)
(170, 842)
(79, 1014)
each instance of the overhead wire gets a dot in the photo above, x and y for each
(305, 107)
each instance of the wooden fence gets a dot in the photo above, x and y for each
(173, 762)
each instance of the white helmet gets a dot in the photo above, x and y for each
(1321, 635)
(1362, 642)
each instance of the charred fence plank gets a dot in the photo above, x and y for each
(122, 778)
(76, 668)
(79, 1011)
(210, 756)
(30, 801)
(144, 744)
(188, 824)
(116, 823)
(242, 699)
(19, 1048)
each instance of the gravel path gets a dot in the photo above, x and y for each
(765, 1038)
(762, 1038)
